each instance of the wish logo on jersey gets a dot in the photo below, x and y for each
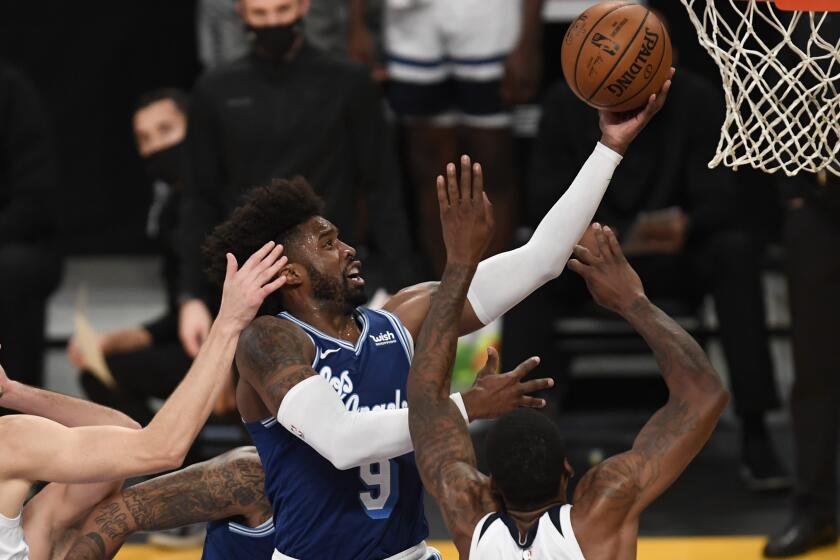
(384, 338)
(343, 385)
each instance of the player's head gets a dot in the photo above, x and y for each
(322, 270)
(527, 459)
(160, 126)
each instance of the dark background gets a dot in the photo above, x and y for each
(91, 60)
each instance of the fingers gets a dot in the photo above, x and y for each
(576, 266)
(532, 402)
(536, 385)
(477, 181)
(466, 176)
(526, 366)
(452, 185)
(261, 253)
(492, 364)
(269, 273)
(584, 255)
(603, 245)
(614, 245)
(440, 185)
(272, 287)
(232, 266)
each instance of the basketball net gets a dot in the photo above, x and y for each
(781, 82)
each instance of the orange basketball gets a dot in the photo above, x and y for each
(615, 54)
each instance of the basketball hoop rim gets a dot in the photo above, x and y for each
(803, 5)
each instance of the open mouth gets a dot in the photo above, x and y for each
(354, 274)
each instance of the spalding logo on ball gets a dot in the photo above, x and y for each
(615, 55)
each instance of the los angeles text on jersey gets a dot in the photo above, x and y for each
(343, 385)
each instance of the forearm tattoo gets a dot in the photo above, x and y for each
(230, 485)
(443, 449)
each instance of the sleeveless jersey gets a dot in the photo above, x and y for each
(374, 511)
(12, 544)
(228, 540)
(496, 537)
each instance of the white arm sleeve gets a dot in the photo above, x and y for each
(503, 280)
(313, 411)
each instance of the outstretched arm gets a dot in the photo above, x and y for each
(503, 280)
(444, 452)
(619, 489)
(226, 486)
(63, 409)
(100, 453)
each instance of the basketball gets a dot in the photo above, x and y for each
(615, 54)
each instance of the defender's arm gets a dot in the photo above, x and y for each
(229, 485)
(102, 453)
(619, 489)
(445, 457)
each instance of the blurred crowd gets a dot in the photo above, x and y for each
(368, 100)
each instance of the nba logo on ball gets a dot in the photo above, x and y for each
(615, 55)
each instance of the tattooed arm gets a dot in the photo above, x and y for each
(229, 485)
(444, 452)
(614, 493)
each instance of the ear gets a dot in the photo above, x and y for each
(304, 7)
(240, 9)
(496, 494)
(294, 274)
(570, 472)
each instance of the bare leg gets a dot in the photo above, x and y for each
(493, 148)
(429, 148)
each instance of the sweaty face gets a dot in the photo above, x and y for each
(334, 272)
(158, 126)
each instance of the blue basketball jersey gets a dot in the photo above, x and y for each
(228, 540)
(374, 511)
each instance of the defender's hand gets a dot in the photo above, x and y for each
(246, 288)
(466, 214)
(618, 130)
(611, 280)
(494, 394)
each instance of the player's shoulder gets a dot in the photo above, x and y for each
(268, 336)
(424, 289)
(604, 498)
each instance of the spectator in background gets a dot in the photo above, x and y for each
(148, 360)
(679, 225)
(30, 264)
(812, 236)
(286, 109)
(455, 69)
(223, 38)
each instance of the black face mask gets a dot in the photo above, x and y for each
(273, 42)
(165, 164)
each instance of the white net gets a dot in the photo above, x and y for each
(781, 81)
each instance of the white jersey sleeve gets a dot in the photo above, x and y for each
(12, 544)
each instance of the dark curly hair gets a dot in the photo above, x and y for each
(267, 213)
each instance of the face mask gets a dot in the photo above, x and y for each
(165, 164)
(273, 42)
